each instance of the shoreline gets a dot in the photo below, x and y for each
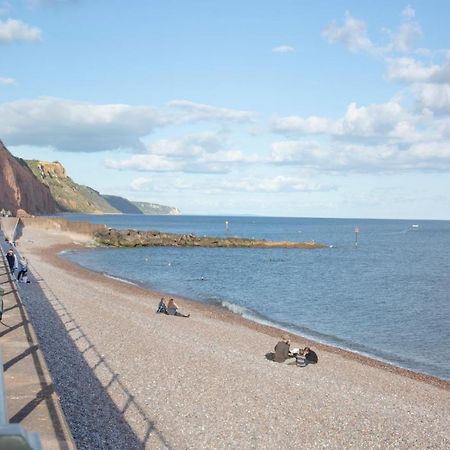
(221, 312)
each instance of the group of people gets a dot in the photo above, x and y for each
(20, 265)
(170, 309)
(303, 357)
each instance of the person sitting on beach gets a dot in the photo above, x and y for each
(305, 357)
(172, 309)
(162, 308)
(282, 350)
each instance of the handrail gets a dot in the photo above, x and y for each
(13, 436)
(3, 413)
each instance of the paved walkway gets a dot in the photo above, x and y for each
(31, 399)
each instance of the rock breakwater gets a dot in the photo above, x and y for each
(135, 238)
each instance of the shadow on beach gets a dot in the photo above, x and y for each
(96, 422)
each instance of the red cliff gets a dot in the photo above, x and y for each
(20, 189)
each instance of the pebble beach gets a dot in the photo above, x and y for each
(132, 379)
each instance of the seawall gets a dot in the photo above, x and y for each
(61, 224)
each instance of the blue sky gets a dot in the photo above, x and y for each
(288, 108)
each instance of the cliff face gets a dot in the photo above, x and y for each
(19, 188)
(70, 196)
(122, 204)
(155, 209)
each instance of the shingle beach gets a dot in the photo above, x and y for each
(129, 378)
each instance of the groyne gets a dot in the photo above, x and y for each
(133, 238)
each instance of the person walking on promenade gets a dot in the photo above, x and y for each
(23, 268)
(172, 309)
(12, 260)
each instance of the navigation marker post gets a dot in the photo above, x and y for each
(226, 225)
(356, 236)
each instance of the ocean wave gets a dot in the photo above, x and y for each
(249, 314)
(240, 310)
(119, 279)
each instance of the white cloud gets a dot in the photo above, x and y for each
(228, 156)
(341, 157)
(6, 81)
(159, 163)
(140, 184)
(410, 70)
(402, 40)
(378, 120)
(409, 12)
(443, 74)
(435, 97)
(381, 121)
(279, 183)
(190, 145)
(352, 34)
(88, 127)
(13, 30)
(145, 163)
(200, 112)
(194, 153)
(238, 185)
(76, 126)
(309, 125)
(283, 49)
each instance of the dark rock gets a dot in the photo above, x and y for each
(133, 238)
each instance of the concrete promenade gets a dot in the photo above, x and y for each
(31, 399)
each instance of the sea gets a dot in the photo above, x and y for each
(380, 288)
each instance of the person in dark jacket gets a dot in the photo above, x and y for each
(162, 308)
(305, 357)
(12, 260)
(282, 350)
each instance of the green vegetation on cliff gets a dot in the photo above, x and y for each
(122, 204)
(70, 196)
(73, 197)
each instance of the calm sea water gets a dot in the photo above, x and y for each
(388, 298)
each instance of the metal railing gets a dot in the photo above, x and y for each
(12, 436)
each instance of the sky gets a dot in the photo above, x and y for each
(292, 108)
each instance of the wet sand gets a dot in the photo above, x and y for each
(203, 382)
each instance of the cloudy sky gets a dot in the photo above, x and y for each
(282, 108)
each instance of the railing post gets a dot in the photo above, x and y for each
(2, 292)
(3, 410)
